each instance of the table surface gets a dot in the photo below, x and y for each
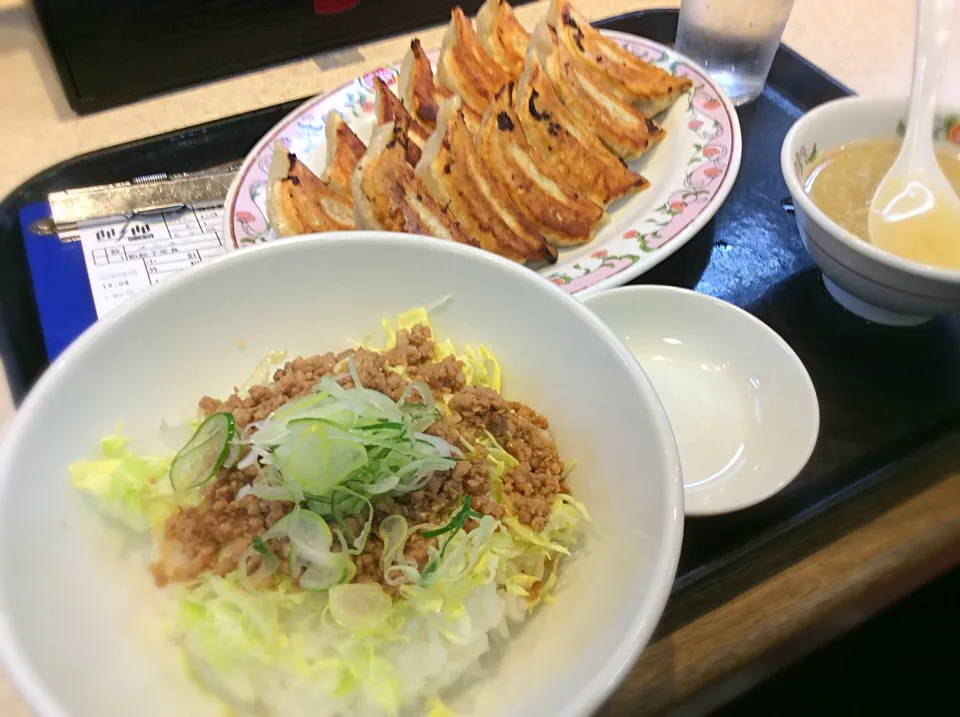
(864, 555)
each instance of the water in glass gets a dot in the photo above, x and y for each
(734, 40)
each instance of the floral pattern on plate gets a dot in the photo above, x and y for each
(691, 173)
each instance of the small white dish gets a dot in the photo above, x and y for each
(742, 406)
(872, 283)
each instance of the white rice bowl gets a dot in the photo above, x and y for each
(79, 626)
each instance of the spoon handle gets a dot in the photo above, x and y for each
(934, 21)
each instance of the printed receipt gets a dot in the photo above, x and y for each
(125, 257)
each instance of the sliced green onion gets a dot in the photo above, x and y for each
(453, 527)
(383, 425)
(205, 453)
(260, 546)
(393, 532)
(425, 393)
(456, 522)
(383, 485)
(316, 461)
(360, 608)
(335, 570)
(309, 535)
(356, 501)
(269, 562)
(311, 560)
(290, 409)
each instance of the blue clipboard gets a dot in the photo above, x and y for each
(60, 284)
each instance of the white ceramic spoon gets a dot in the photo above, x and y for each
(915, 212)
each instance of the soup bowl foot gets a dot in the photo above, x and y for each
(870, 312)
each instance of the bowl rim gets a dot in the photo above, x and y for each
(598, 686)
(628, 294)
(848, 239)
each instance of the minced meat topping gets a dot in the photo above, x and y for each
(216, 533)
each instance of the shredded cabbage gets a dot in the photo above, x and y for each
(436, 708)
(320, 644)
(374, 653)
(480, 368)
(132, 489)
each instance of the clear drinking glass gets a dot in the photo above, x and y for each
(734, 40)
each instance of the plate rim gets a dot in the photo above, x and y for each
(620, 278)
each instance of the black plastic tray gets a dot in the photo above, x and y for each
(885, 394)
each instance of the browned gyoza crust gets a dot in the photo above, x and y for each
(344, 150)
(563, 215)
(625, 130)
(389, 108)
(389, 196)
(465, 68)
(649, 88)
(502, 36)
(421, 95)
(457, 175)
(299, 202)
(569, 148)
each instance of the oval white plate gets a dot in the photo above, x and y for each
(691, 173)
(743, 409)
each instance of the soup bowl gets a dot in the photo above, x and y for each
(870, 282)
(82, 585)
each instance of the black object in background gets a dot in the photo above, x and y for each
(112, 52)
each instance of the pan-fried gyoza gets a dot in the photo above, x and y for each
(389, 109)
(502, 36)
(564, 215)
(422, 95)
(516, 142)
(452, 169)
(299, 202)
(649, 88)
(465, 68)
(389, 196)
(626, 131)
(344, 150)
(566, 144)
